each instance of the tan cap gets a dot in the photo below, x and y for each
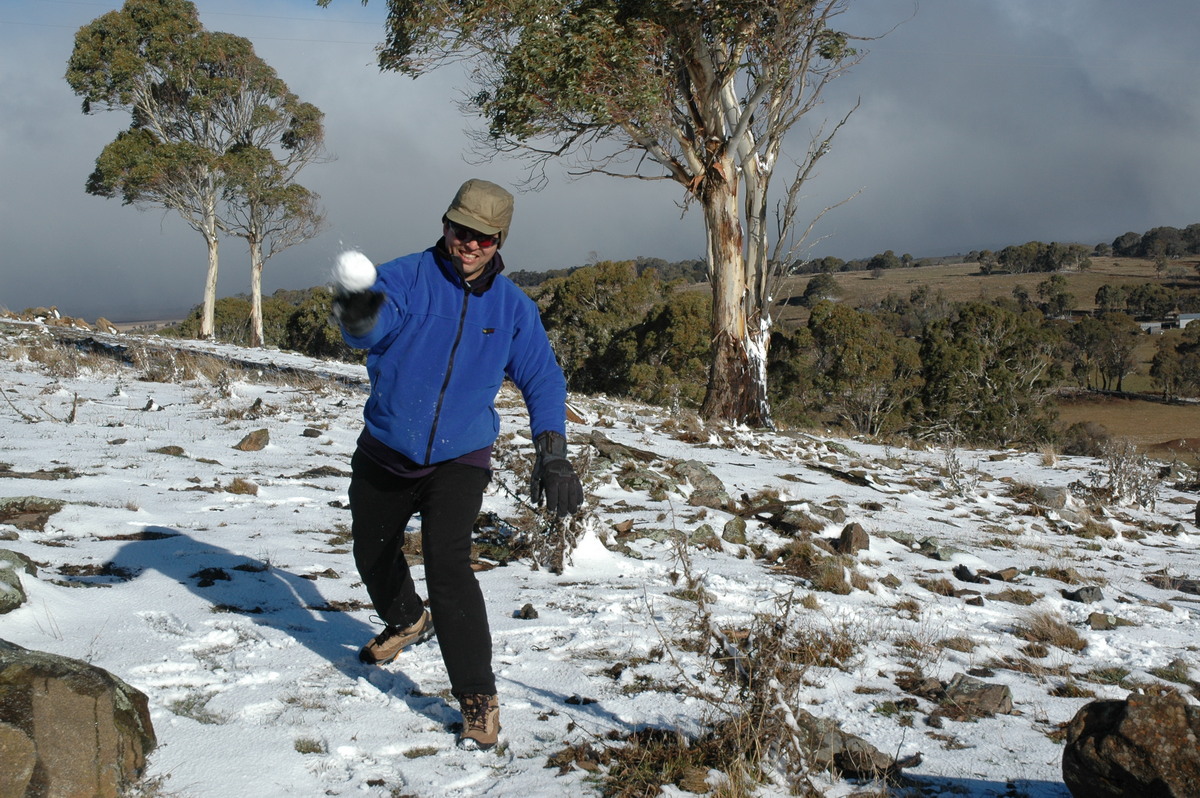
(482, 206)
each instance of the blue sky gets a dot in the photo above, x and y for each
(982, 124)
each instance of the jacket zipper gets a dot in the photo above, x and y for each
(437, 412)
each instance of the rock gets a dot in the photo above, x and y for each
(19, 758)
(891, 580)
(735, 531)
(77, 729)
(1004, 574)
(12, 592)
(1088, 594)
(852, 540)
(833, 749)
(796, 520)
(1102, 622)
(704, 535)
(698, 474)
(966, 698)
(1143, 746)
(964, 574)
(715, 499)
(645, 479)
(526, 613)
(931, 549)
(28, 512)
(255, 441)
(1055, 498)
(835, 514)
(707, 489)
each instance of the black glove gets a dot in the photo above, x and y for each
(357, 312)
(554, 475)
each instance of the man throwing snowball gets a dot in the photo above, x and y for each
(442, 328)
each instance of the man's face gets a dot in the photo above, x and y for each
(464, 245)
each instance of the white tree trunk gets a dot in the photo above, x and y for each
(210, 286)
(256, 316)
(737, 378)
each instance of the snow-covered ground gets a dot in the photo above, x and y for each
(252, 675)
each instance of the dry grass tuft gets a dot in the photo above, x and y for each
(940, 586)
(958, 643)
(1049, 628)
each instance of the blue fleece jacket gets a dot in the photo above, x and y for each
(439, 353)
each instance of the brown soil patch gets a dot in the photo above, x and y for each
(1164, 430)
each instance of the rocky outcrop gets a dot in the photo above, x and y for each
(1143, 747)
(68, 729)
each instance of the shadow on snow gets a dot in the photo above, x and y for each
(269, 596)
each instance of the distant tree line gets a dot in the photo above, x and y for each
(1159, 243)
(689, 271)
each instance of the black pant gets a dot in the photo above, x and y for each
(448, 501)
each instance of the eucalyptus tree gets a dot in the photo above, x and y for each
(700, 93)
(204, 111)
(144, 59)
(277, 137)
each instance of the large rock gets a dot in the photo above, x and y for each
(707, 488)
(852, 540)
(12, 592)
(1143, 747)
(77, 730)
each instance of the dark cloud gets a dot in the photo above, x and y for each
(981, 124)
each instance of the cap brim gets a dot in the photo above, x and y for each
(458, 217)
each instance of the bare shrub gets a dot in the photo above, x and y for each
(1132, 478)
(961, 481)
(755, 721)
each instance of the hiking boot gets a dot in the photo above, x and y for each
(388, 644)
(481, 721)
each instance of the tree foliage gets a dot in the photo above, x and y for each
(622, 332)
(987, 373)
(699, 93)
(821, 287)
(208, 119)
(1176, 365)
(866, 374)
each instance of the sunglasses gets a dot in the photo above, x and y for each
(484, 240)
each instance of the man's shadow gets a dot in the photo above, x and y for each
(268, 596)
